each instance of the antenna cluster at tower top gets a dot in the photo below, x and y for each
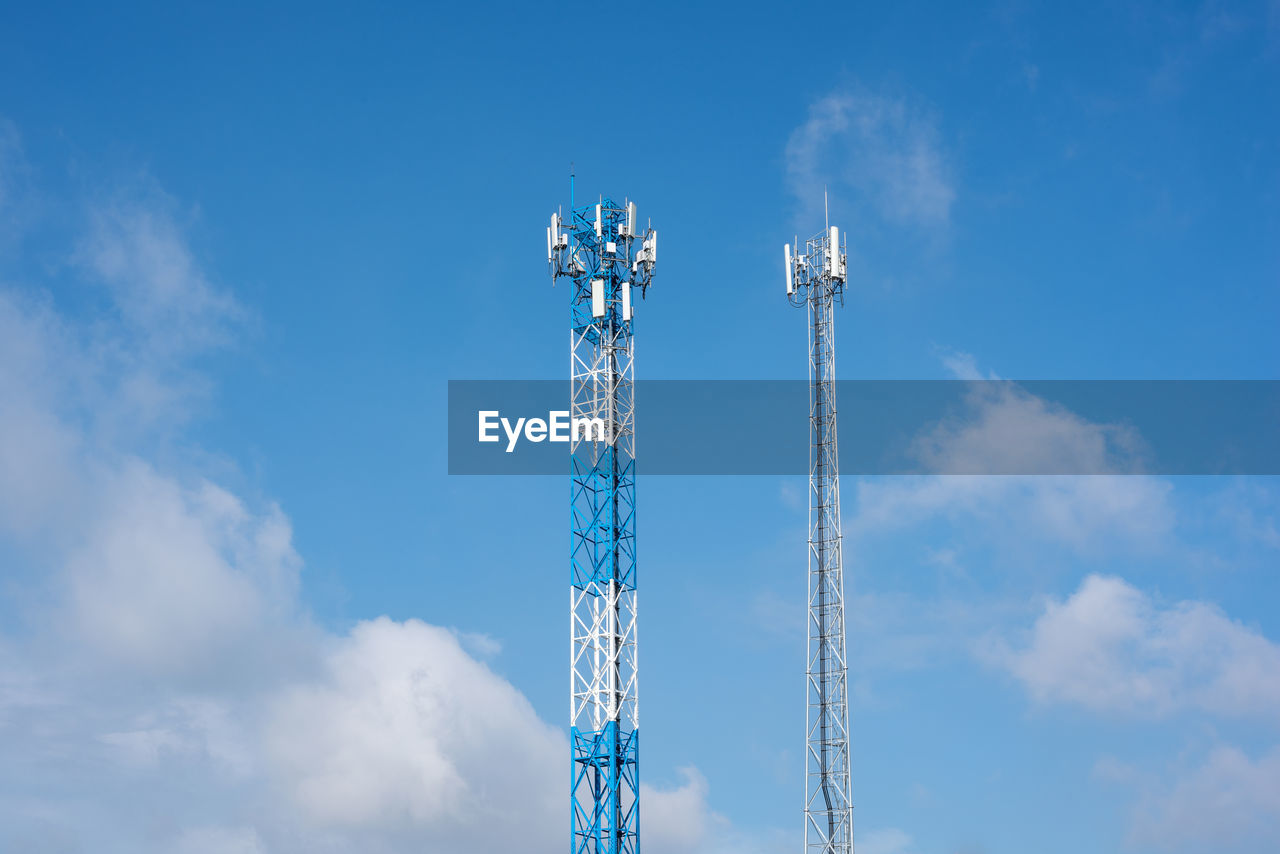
(823, 263)
(607, 253)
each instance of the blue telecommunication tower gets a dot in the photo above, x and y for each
(607, 259)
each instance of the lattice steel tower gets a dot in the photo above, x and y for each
(605, 258)
(816, 278)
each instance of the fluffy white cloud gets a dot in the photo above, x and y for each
(161, 688)
(678, 820)
(155, 571)
(169, 578)
(406, 729)
(1110, 647)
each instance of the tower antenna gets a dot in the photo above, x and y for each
(815, 278)
(606, 259)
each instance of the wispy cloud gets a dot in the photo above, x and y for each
(1226, 802)
(135, 247)
(877, 152)
(1001, 423)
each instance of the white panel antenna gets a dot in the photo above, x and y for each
(597, 298)
(599, 222)
(626, 301)
(631, 218)
(786, 258)
(834, 260)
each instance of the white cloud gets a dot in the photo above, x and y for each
(1252, 510)
(185, 727)
(169, 578)
(161, 687)
(135, 247)
(1003, 428)
(964, 366)
(1083, 512)
(405, 730)
(1111, 648)
(873, 149)
(678, 820)
(37, 448)
(1006, 430)
(153, 570)
(1229, 804)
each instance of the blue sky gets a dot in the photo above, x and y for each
(244, 607)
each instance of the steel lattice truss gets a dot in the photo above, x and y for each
(816, 278)
(602, 254)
